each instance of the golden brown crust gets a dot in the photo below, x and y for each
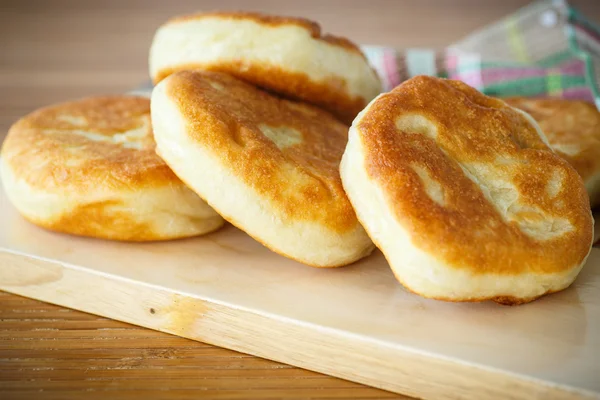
(328, 95)
(226, 115)
(568, 124)
(105, 220)
(55, 138)
(273, 20)
(468, 231)
(99, 146)
(108, 220)
(331, 93)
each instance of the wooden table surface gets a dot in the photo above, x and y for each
(59, 50)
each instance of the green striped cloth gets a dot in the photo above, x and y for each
(545, 49)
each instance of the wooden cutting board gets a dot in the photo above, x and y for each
(355, 322)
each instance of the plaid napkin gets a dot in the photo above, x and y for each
(545, 49)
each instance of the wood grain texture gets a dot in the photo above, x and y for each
(62, 353)
(59, 50)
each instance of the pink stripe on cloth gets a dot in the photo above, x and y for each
(473, 78)
(510, 74)
(392, 71)
(578, 93)
(451, 61)
(572, 67)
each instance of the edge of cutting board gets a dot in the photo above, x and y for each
(361, 359)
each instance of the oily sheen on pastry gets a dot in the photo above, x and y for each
(89, 167)
(573, 131)
(463, 195)
(267, 165)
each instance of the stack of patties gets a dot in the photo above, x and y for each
(247, 123)
(241, 115)
(251, 114)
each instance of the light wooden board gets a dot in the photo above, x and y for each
(355, 322)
